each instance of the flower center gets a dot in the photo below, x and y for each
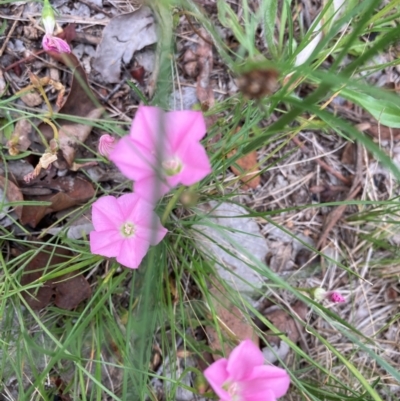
(232, 388)
(172, 166)
(128, 230)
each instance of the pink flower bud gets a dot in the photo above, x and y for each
(106, 145)
(54, 44)
(336, 297)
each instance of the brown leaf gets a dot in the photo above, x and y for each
(248, 172)
(286, 324)
(122, 37)
(382, 132)
(233, 323)
(20, 138)
(81, 102)
(32, 99)
(12, 193)
(69, 289)
(204, 55)
(349, 154)
(71, 191)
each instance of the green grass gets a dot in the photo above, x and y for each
(103, 349)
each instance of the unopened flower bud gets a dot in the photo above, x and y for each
(106, 145)
(318, 293)
(52, 43)
(336, 297)
(48, 20)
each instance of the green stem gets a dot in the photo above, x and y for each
(171, 204)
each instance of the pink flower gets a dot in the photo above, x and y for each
(319, 294)
(336, 297)
(55, 44)
(124, 228)
(244, 377)
(106, 145)
(162, 151)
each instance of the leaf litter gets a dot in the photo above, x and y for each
(273, 192)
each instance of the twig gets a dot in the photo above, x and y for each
(337, 213)
(324, 165)
(10, 32)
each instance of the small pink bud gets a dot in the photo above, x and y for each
(336, 297)
(106, 145)
(55, 44)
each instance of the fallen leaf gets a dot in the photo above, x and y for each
(382, 132)
(248, 173)
(232, 322)
(32, 99)
(69, 290)
(204, 55)
(70, 191)
(12, 194)
(122, 37)
(285, 323)
(81, 102)
(20, 138)
(349, 154)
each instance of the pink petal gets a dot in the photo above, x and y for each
(55, 44)
(243, 359)
(216, 374)
(133, 160)
(184, 124)
(132, 251)
(150, 230)
(106, 243)
(336, 297)
(265, 378)
(107, 214)
(147, 126)
(129, 203)
(106, 145)
(196, 164)
(151, 189)
(247, 394)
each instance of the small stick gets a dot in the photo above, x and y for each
(10, 33)
(337, 213)
(324, 165)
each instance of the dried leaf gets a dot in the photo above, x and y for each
(32, 99)
(286, 324)
(69, 290)
(71, 191)
(20, 138)
(233, 323)
(204, 55)
(80, 103)
(122, 37)
(382, 132)
(249, 171)
(12, 194)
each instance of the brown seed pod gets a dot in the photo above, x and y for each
(258, 83)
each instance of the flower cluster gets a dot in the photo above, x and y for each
(51, 42)
(244, 377)
(162, 151)
(319, 294)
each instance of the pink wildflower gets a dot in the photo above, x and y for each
(244, 377)
(106, 145)
(162, 151)
(336, 297)
(319, 294)
(55, 44)
(124, 228)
